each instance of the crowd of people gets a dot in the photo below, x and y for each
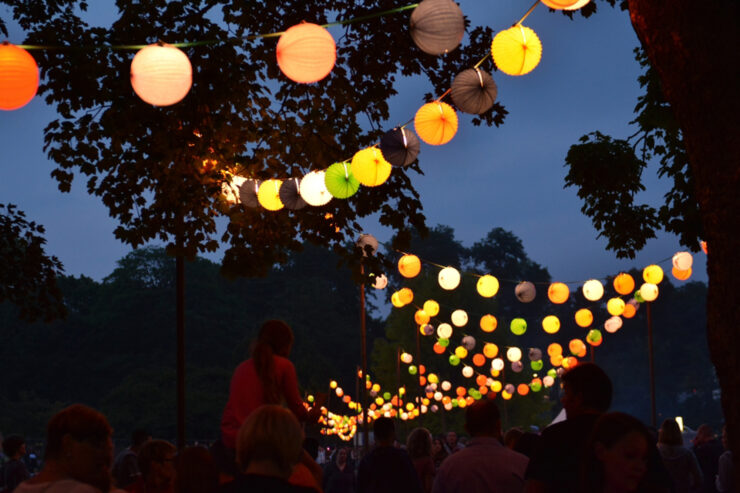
(263, 448)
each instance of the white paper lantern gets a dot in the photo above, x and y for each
(467, 371)
(649, 292)
(525, 291)
(459, 318)
(449, 278)
(161, 74)
(514, 354)
(380, 282)
(438, 396)
(446, 385)
(497, 364)
(313, 189)
(448, 406)
(683, 261)
(613, 324)
(548, 381)
(406, 358)
(231, 190)
(444, 331)
(593, 290)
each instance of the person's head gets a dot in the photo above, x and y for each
(138, 438)
(341, 455)
(196, 471)
(451, 438)
(270, 436)
(617, 454)
(14, 447)
(438, 446)
(512, 436)
(670, 433)
(704, 434)
(78, 441)
(384, 430)
(275, 338)
(482, 418)
(156, 460)
(277, 335)
(419, 443)
(586, 388)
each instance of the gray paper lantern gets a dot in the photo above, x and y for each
(525, 291)
(474, 91)
(535, 354)
(290, 194)
(399, 146)
(248, 193)
(437, 26)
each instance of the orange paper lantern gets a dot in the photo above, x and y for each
(19, 77)
(558, 293)
(554, 349)
(488, 323)
(517, 50)
(629, 310)
(479, 359)
(436, 123)
(624, 283)
(161, 74)
(681, 275)
(522, 389)
(409, 266)
(306, 53)
(565, 4)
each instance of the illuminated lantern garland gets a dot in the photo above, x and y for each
(487, 286)
(313, 189)
(459, 318)
(306, 53)
(370, 168)
(516, 51)
(624, 284)
(488, 323)
(551, 324)
(431, 307)
(409, 266)
(649, 291)
(436, 123)
(269, 195)
(19, 77)
(584, 317)
(437, 26)
(593, 290)
(615, 306)
(652, 274)
(340, 182)
(449, 278)
(161, 74)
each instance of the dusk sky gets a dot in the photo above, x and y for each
(509, 177)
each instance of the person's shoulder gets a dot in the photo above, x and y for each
(62, 486)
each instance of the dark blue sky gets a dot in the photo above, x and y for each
(510, 177)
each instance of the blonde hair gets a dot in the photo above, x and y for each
(271, 434)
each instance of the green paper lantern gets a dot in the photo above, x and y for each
(454, 360)
(387, 396)
(536, 365)
(518, 326)
(413, 370)
(340, 181)
(443, 342)
(535, 386)
(552, 373)
(638, 297)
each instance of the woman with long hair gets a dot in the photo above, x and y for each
(419, 447)
(680, 461)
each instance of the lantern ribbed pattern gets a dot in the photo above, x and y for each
(473, 91)
(161, 75)
(269, 195)
(306, 53)
(399, 146)
(340, 182)
(436, 123)
(516, 51)
(313, 189)
(370, 168)
(248, 193)
(437, 26)
(19, 77)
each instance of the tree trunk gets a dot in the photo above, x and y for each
(693, 46)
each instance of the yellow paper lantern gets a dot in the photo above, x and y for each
(624, 284)
(161, 74)
(488, 323)
(459, 318)
(461, 352)
(487, 286)
(652, 274)
(19, 77)
(409, 266)
(551, 324)
(490, 350)
(584, 317)
(593, 290)
(681, 275)
(449, 278)
(396, 300)
(269, 195)
(421, 317)
(436, 123)
(517, 50)
(306, 53)
(444, 331)
(431, 307)
(406, 295)
(615, 306)
(649, 291)
(370, 168)
(554, 349)
(558, 293)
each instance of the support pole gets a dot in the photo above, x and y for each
(363, 330)
(653, 414)
(180, 307)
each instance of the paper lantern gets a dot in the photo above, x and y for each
(497, 364)
(436, 123)
(473, 91)
(421, 317)
(426, 330)
(624, 284)
(413, 370)
(399, 146)
(454, 360)
(652, 274)
(548, 381)
(682, 261)
(564, 4)
(490, 350)
(396, 300)
(380, 281)
(593, 290)
(406, 295)
(518, 326)
(467, 371)
(584, 317)
(525, 291)
(229, 189)
(506, 395)
(556, 359)
(488, 323)
(615, 306)
(339, 180)
(468, 342)
(269, 195)
(306, 53)
(613, 324)
(513, 354)
(443, 342)
(409, 266)
(290, 194)
(444, 331)
(496, 386)
(248, 193)
(438, 348)
(479, 359)
(681, 275)
(487, 286)
(437, 26)
(449, 278)
(313, 189)
(558, 293)
(630, 309)
(446, 386)
(517, 366)
(534, 354)
(461, 352)
(536, 385)
(459, 318)
(370, 168)
(368, 244)
(537, 365)
(431, 307)
(649, 291)
(522, 389)
(516, 51)
(406, 358)
(19, 77)
(161, 74)
(576, 347)
(433, 378)
(551, 324)
(594, 337)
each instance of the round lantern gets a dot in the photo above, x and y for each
(593, 290)
(409, 266)
(380, 281)
(551, 324)
(518, 326)
(514, 354)
(565, 4)
(558, 293)
(490, 350)
(367, 243)
(313, 189)
(290, 194)
(339, 180)
(406, 358)
(536, 385)
(525, 291)
(615, 306)
(479, 359)
(522, 389)
(438, 348)
(584, 317)
(516, 51)
(649, 291)
(487, 286)
(459, 318)
(306, 53)
(431, 307)
(594, 337)
(269, 195)
(161, 74)
(652, 274)
(446, 386)
(488, 323)
(426, 330)
(630, 308)
(548, 381)
(396, 300)
(497, 364)
(406, 295)
(536, 365)
(613, 324)
(682, 261)
(535, 354)
(444, 331)
(473, 91)
(19, 77)
(421, 317)
(370, 168)
(467, 371)
(248, 193)
(624, 284)
(577, 347)
(437, 26)
(413, 370)
(433, 378)
(436, 123)
(400, 146)
(681, 275)
(454, 360)
(554, 349)
(517, 366)
(468, 342)
(449, 278)
(443, 342)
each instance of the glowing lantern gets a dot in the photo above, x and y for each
(649, 291)
(518, 326)
(306, 53)
(488, 323)
(638, 297)
(436, 123)
(396, 300)
(487, 286)
(506, 395)
(682, 261)
(406, 295)
(444, 331)
(509, 388)
(433, 378)
(514, 354)
(624, 284)
(556, 359)
(584, 317)
(497, 364)
(548, 381)
(161, 74)
(19, 77)
(468, 342)
(438, 348)
(446, 386)
(399, 146)
(461, 352)
(681, 275)
(426, 330)
(565, 4)
(449, 278)
(652, 274)
(473, 91)
(536, 385)
(490, 350)
(467, 371)
(437, 26)
(421, 317)
(380, 281)
(522, 389)
(409, 266)
(576, 347)
(413, 370)
(481, 380)
(459, 318)
(516, 51)
(593, 290)
(704, 247)
(537, 365)
(554, 349)
(534, 354)
(339, 391)
(443, 342)
(517, 366)
(613, 324)
(339, 180)
(558, 293)
(551, 324)
(454, 360)
(269, 195)
(615, 306)
(370, 168)
(313, 189)
(525, 291)
(594, 337)
(630, 309)
(431, 307)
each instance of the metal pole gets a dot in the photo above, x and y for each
(180, 296)
(418, 365)
(398, 382)
(653, 415)
(363, 330)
